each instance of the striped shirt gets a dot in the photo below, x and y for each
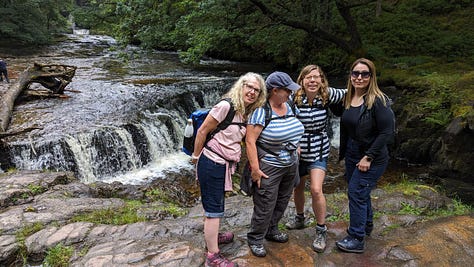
(284, 134)
(315, 141)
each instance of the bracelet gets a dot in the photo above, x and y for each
(194, 157)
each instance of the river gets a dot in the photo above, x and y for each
(124, 113)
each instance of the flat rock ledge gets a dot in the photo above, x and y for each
(52, 199)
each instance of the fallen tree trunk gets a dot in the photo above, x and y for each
(54, 77)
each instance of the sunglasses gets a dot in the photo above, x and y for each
(364, 74)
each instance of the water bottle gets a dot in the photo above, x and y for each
(189, 130)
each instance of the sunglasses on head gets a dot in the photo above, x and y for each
(364, 74)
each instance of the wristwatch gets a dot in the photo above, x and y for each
(369, 159)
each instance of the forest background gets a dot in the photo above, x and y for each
(425, 48)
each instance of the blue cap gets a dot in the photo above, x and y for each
(281, 80)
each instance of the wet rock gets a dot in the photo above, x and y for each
(397, 240)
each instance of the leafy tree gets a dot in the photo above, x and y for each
(32, 21)
(100, 16)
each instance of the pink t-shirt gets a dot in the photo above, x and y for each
(226, 142)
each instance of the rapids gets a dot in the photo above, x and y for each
(124, 116)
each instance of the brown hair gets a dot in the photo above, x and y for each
(373, 90)
(323, 92)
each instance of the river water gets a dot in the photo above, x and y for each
(124, 114)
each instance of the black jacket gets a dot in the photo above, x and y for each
(375, 129)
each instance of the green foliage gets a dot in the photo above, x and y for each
(36, 189)
(409, 209)
(412, 28)
(155, 194)
(58, 256)
(115, 216)
(456, 209)
(21, 236)
(173, 210)
(33, 22)
(443, 89)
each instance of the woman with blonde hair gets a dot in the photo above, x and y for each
(367, 125)
(312, 100)
(216, 159)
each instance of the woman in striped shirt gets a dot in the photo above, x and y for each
(312, 99)
(273, 136)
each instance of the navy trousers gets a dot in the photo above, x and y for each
(360, 185)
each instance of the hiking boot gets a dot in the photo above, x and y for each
(280, 237)
(368, 228)
(296, 222)
(225, 238)
(217, 260)
(319, 244)
(258, 250)
(351, 244)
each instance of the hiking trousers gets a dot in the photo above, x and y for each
(360, 185)
(270, 201)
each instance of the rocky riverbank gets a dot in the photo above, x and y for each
(46, 202)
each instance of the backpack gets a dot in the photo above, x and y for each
(198, 116)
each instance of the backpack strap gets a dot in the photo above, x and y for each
(226, 122)
(268, 117)
(268, 113)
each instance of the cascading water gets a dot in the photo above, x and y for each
(121, 117)
(104, 152)
(123, 121)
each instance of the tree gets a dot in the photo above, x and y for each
(282, 31)
(315, 28)
(52, 76)
(32, 22)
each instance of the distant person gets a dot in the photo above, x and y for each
(312, 101)
(272, 153)
(3, 71)
(216, 160)
(367, 124)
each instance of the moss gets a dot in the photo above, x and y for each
(58, 256)
(115, 216)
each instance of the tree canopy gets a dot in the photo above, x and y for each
(31, 22)
(286, 33)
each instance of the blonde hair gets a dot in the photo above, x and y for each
(373, 90)
(322, 93)
(237, 91)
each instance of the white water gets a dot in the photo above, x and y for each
(91, 124)
(173, 162)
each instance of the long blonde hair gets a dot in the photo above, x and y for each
(373, 90)
(237, 91)
(322, 93)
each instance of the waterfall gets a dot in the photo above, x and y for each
(105, 152)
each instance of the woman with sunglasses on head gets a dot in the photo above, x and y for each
(312, 100)
(273, 136)
(367, 124)
(217, 158)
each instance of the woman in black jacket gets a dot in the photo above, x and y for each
(367, 125)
